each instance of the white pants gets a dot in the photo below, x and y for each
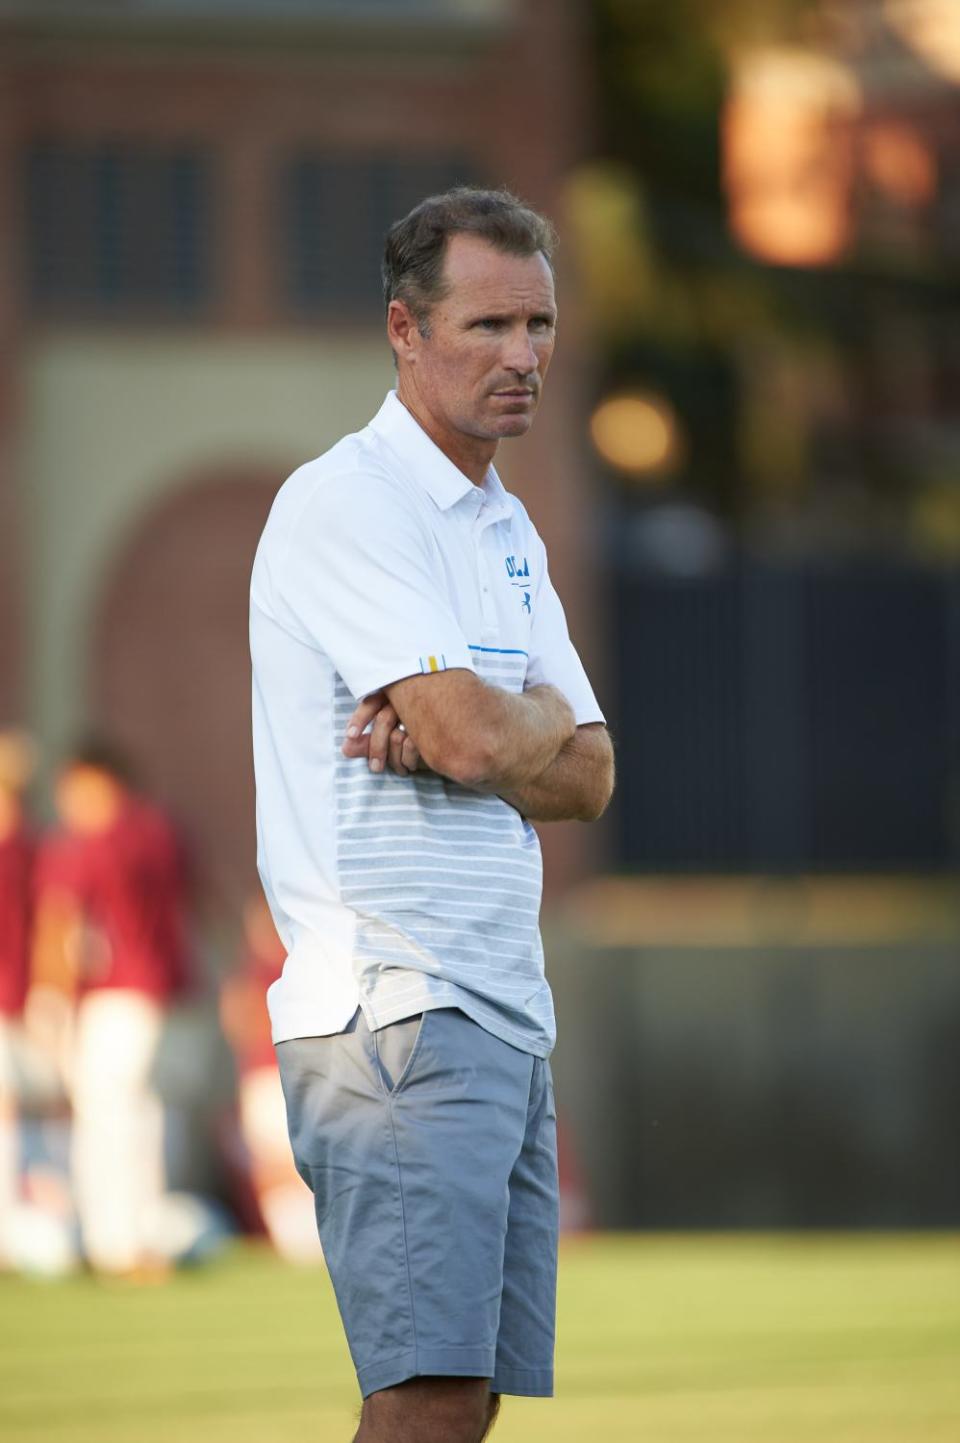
(117, 1151)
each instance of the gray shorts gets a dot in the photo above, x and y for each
(430, 1147)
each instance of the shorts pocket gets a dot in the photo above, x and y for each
(396, 1047)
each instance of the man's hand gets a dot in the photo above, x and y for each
(386, 743)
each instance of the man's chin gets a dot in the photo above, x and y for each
(513, 425)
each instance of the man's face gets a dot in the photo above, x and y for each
(480, 369)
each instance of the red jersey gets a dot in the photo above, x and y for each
(16, 881)
(131, 883)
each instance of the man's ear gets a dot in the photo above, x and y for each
(403, 332)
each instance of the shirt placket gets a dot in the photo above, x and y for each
(488, 604)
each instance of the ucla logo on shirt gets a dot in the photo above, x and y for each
(519, 574)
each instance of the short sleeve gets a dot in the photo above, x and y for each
(362, 578)
(553, 657)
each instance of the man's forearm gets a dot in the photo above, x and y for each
(475, 733)
(524, 733)
(575, 786)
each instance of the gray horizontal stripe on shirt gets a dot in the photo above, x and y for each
(471, 866)
(369, 836)
(437, 813)
(420, 883)
(404, 873)
(416, 790)
(437, 831)
(367, 799)
(466, 913)
(379, 847)
(484, 843)
(493, 872)
(436, 822)
(355, 772)
(438, 933)
(476, 833)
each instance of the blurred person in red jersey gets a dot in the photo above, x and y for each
(35, 1208)
(111, 956)
(17, 759)
(285, 1203)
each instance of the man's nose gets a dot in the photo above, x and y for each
(520, 355)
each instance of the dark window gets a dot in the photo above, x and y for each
(338, 210)
(115, 227)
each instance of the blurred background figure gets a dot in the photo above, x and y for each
(26, 1076)
(16, 863)
(35, 1210)
(111, 956)
(285, 1203)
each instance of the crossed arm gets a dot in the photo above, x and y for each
(526, 748)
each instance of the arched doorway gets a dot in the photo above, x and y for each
(171, 667)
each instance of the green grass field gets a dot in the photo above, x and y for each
(662, 1340)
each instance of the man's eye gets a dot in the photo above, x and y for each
(489, 323)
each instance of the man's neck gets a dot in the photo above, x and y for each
(470, 454)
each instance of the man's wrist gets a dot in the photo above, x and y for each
(555, 709)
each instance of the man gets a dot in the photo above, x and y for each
(417, 702)
(111, 937)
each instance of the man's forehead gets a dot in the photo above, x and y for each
(474, 268)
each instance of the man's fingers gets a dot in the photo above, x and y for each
(397, 764)
(356, 743)
(379, 743)
(364, 712)
(409, 756)
(386, 743)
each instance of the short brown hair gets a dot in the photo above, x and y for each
(415, 248)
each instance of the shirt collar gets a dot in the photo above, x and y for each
(445, 483)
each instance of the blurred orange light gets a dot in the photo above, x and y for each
(900, 162)
(788, 155)
(636, 433)
(932, 29)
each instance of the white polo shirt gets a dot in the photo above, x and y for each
(379, 560)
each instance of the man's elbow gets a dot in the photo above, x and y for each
(594, 804)
(595, 797)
